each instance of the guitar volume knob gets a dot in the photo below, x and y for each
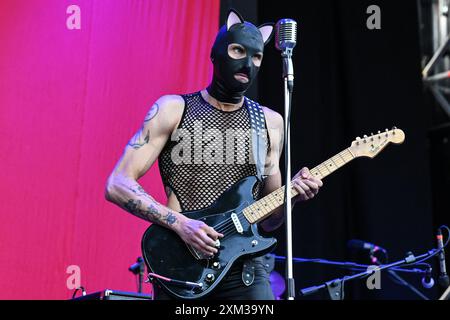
(216, 265)
(210, 277)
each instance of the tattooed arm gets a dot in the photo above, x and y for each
(140, 153)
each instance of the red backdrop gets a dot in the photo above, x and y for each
(70, 100)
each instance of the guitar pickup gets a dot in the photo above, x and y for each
(237, 223)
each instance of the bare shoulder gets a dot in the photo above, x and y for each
(170, 105)
(274, 119)
(167, 111)
(173, 100)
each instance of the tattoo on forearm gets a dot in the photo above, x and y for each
(139, 191)
(133, 206)
(170, 218)
(154, 212)
(151, 214)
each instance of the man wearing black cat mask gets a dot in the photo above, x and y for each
(195, 174)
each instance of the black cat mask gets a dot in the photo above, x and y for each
(224, 86)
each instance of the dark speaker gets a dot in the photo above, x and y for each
(114, 295)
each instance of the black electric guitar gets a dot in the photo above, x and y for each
(183, 272)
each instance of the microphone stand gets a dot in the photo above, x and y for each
(288, 77)
(405, 283)
(359, 267)
(396, 276)
(335, 286)
(139, 269)
(141, 275)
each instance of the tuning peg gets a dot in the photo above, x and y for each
(393, 129)
(371, 136)
(387, 132)
(365, 137)
(357, 140)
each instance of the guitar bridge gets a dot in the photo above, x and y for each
(198, 255)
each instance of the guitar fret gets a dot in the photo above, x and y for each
(333, 165)
(340, 155)
(316, 173)
(324, 166)
(329, 166)
(338, 161)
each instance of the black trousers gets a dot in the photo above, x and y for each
(232, 286)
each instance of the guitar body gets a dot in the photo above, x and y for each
(167, 255)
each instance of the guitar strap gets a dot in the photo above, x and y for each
(259, 136)
(259, 152)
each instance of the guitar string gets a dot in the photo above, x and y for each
(223, 224)
(227, 225)
(230, 229)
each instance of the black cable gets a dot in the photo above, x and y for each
(448, 233)
(83, 291)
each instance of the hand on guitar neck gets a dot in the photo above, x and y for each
(306, 184)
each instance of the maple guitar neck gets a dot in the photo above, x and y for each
(360, 147)
(264, 207)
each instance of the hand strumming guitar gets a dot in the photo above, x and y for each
(199, 235)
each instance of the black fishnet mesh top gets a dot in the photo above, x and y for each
(198, 170)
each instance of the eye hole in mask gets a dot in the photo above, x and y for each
(237, 51)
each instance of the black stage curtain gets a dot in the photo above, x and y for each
(351, 81)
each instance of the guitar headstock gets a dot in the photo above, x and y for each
(370, 146)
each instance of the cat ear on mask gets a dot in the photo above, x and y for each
(266, 30)
(233, 18)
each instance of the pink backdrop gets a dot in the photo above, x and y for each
(69, 102)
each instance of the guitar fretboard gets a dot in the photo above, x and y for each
(264, 207)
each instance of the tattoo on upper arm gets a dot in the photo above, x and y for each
(152, 113)
(142, 137)
(139, 140)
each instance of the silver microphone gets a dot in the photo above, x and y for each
(285, 40)
(286, 35)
